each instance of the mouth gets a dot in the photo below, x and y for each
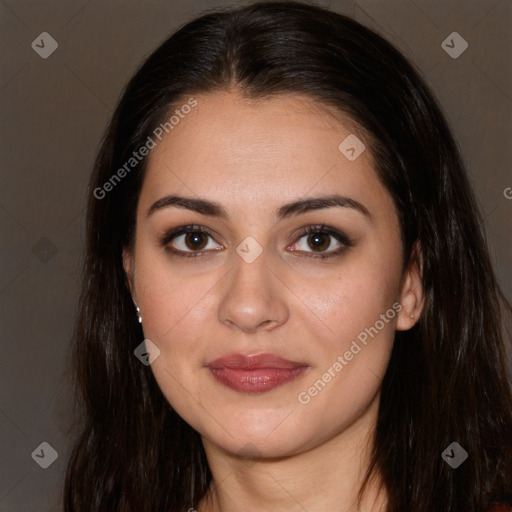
(255, 374)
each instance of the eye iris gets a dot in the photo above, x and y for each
(318, 241)
(195, 240)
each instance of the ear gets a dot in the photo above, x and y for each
(412, 296)
(128, 269)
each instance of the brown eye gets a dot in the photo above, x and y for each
(196, 240)
(319, 241)
(190, 241)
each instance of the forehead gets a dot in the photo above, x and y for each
(230, 148)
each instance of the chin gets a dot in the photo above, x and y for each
(267, 436)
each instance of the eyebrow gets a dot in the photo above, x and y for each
(213, 209)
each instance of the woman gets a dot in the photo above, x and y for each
(280, 211)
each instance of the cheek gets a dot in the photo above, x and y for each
(170, 300)
(353, 354)
(354, 333)
(343, 303)
(175, 310)
(355, 313)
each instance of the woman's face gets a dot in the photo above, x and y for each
(246, 279)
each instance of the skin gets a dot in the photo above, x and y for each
(268, 451)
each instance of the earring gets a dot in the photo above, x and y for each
(412, 316)
(138, 314)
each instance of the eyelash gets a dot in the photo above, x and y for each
(309, 230)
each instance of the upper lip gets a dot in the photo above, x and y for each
(251, 362)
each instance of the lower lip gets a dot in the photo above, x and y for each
(257, 380)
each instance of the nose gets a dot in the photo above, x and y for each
(253, 298)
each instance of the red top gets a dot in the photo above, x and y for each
(500, 508)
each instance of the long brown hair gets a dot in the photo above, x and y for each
(447, 377)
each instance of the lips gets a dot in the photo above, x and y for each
(256, 373)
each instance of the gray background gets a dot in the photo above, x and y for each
(54, 112)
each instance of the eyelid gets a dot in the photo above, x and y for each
(325, 229)
(180, 230)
